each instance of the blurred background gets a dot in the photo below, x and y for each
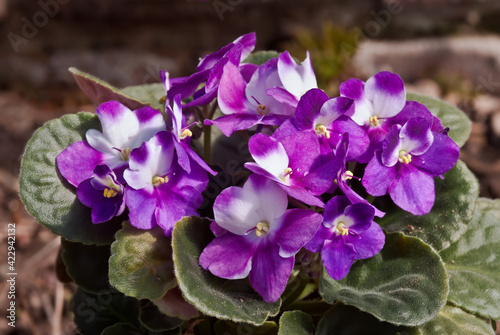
(448, 49)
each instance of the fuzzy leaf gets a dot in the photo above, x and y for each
(133, 97)
(473, 264)
(225, 299)
(87, 265)
(456, 197)
(296, 323)
(46, 194)
(405, 284)
(453, 320)
(347, 320)
(152, 319)
(450, 116)
(141, 263)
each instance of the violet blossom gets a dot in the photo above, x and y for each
(257, 236)
(122, 131)
(103, 193)
(348, 233)
(264, 99)
(382, 96)
(411, 156)
(295, 163)
(159, 191)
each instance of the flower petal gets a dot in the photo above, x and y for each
(231, 95)
(338, 257)
(334, 208)
(355, 89)
(308, 109)
(441, 156)
(378, 177)
(268, 153)
(142, 205)
(413, 190)
(294, 229)
(235, 210)
(386, 91)
(416, 136)
(228, 124)
(368, 243)
(270, 272)
(273, 200)
(296, 79)
(318, 240)
(214, 257)
(77, 162)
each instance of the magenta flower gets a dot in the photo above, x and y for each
(295, 164)
(103, 193)
(326, 118)
(411, 157)
(159, 191)
(122, 131)
(382, 97)
(209, 71)
(264, 99)
(257, 236)
(348, 233)
(182, 138)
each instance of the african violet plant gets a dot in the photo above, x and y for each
(244, 200)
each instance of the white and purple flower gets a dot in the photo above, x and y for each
(412, 155)
(260, 235)
(348, 233)
(269, 97)
(159, 191)
(103, 193)
(295, 163)
(122, 131)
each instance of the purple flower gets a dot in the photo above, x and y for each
(182, 136)
(295, 164)
(382, 96)
(318, 114)
(411, 157)
(264, 99)
(257, 236)
(348, 233)
(209, 71)
(159, 191)
(122, 131)
(103, 193)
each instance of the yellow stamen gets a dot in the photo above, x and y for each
(342, 228)
(347, 175)
(262, 228)
(321, 130)
(374, 121)
(110, 193)
(404, 157)
(157, 180)
(286, 174)
(126, 154)
(262, 109)
(163, 99)
(185, 133)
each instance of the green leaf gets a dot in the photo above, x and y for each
(141, 263)
(149, 94)
(405, 284)
(490, 206)
(347, 320)
(95, 312)
(46, 194)
(456, 197)
(154, 320)
(260, 57)
(453, 320)
(173, 304)
(133, 97)
(225, 299)
(296, 323)
(473, 264)
(450, 116)
(87, 265)
(222, 327)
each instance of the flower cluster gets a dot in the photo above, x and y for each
(299, 194)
